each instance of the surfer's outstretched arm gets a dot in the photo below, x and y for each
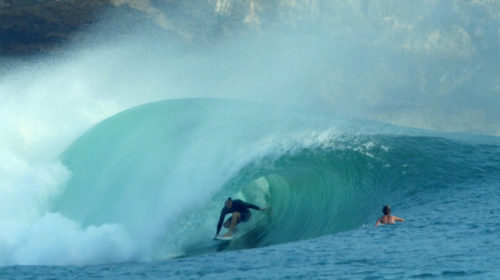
(378, 221)
(253, 206)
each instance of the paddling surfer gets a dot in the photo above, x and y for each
(388, 218)
(240, 211)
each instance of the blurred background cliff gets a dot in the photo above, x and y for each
(40, 26)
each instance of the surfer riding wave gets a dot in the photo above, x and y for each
(241, 213)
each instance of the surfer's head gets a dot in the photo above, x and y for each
(386, 210)
(229, 203)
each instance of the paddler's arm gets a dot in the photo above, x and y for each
(398, 219)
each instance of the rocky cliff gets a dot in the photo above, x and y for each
(428, 26)
(31, 26)
(39, 26)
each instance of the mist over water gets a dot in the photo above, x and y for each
(424, 64)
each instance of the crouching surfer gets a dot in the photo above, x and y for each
(388, 218)
(240, 211)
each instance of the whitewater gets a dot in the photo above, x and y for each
(117, 154)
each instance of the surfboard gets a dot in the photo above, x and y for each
(220, 237)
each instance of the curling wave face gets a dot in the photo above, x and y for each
(161, 171)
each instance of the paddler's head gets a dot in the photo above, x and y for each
(386, 210)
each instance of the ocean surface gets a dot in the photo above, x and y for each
(147, 186)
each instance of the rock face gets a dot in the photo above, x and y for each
(32, 26)
(40, 26)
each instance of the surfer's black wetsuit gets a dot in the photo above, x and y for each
(237, 206)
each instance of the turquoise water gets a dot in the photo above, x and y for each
(147, 185)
